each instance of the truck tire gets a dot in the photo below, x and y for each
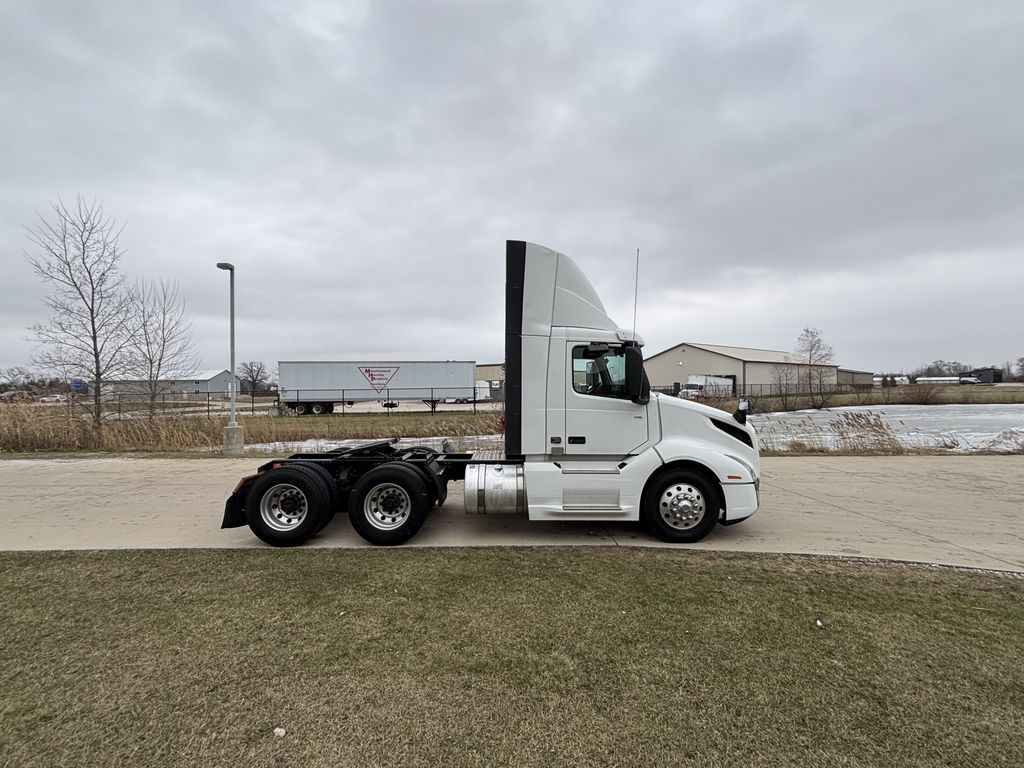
(389, 504)
(429, 453)
(333, 494)
(681, 506)
(300, 409)
(285, 506)
(318, 409)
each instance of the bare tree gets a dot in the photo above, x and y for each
(252, 374)
(943, 368)
(14, 377)
(813, 352)
(786, 381)
(162, 348)
(87, 335)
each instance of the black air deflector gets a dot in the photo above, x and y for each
(740, 434)
(515, 279)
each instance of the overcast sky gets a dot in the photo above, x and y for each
(858, 167)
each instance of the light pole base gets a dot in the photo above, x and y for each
(234, 440)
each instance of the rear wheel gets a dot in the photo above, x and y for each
(333, 494)
(681, 506)
(285, 506)
(300, 409)
(389, 504)
(319, 409)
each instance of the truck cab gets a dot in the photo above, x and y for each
(594, 443)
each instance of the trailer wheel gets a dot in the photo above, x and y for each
(389, 504)
(300, 409)
(681, 506)
(285, 506)
(319, 409)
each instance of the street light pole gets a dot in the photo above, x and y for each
(233, 438)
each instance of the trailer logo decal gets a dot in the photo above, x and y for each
(379, 377)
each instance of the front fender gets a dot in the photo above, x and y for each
(728, 466)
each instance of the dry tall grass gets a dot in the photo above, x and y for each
(865, 433)
(33, 428)
(862, 433)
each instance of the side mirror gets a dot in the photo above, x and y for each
(741, 412)
(637, 385)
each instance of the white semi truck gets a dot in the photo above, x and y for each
(584, 439)
(314, 386)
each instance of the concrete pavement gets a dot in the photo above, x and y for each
(955, 510)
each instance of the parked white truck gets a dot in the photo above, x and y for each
(584, 439)
(314, 386)
(700, 385)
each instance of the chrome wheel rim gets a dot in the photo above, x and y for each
(387, 506)
(682, 506)
(284, 507)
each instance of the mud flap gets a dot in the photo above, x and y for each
(234, 507)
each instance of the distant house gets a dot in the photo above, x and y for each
(752, 371)
(987, 375)
(200, 383)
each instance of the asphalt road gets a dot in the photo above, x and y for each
(954, 510)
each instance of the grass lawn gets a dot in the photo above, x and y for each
(505, 657)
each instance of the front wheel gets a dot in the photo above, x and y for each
(682, 507)
(389, 504)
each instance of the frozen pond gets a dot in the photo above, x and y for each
(956, 428)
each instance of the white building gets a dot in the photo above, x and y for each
(752, 371)
(201, 383)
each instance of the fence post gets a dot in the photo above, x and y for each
(119, 407)
(207, 404)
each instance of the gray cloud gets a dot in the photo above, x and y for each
(850, 167)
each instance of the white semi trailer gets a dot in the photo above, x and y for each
(314, 386)
(584, 439)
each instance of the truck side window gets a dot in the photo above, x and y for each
(599, 372)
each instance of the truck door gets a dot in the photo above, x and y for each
(600, 419)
